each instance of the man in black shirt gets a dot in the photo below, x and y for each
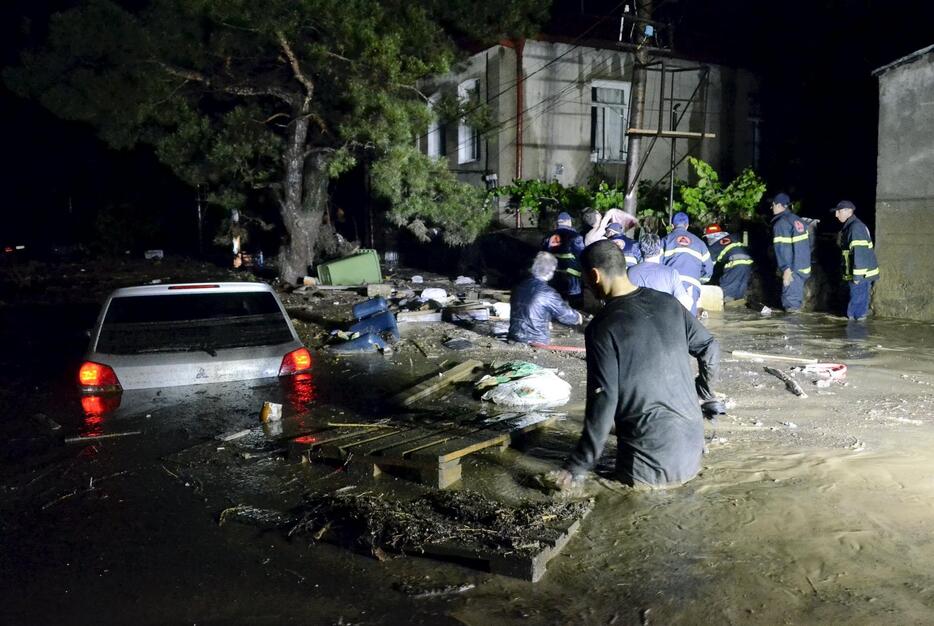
(639, 378)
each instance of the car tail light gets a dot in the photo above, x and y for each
(98, 377)
(178, 287)
(295, 361)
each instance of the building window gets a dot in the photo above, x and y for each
(435, 138)
(609, 120)
(468, 140)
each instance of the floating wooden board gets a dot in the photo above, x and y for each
(742, 354)
(436, 382)
(434, 451)
(418, 316)
(526, 565)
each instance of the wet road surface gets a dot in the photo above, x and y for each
(816, 510)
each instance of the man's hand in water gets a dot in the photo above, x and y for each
(561, 480)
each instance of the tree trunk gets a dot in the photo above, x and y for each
(303, 205)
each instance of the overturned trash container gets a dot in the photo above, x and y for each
(370, 307)
(384, 322)
(356, 269)
(368, 342)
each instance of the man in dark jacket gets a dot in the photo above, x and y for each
(792, 252)
(685, 252)
(534, 304)
(566, 244)
(860, 268)
(639, 377)
(734, 261)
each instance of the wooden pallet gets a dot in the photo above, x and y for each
(528, 564)
(433, 451)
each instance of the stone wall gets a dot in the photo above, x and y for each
(905, 191)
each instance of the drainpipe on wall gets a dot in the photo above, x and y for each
(520, 105)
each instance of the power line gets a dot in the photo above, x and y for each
(575, 45)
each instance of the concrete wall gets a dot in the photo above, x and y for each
(905, 191)
(557, 114)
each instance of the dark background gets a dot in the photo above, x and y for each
(814, 58)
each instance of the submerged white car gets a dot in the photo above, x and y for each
(190, 334)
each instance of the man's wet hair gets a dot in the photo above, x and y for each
(544, 266)
(605, 256)
(590, 217)
(650, 244)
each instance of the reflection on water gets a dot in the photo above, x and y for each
(96, 408)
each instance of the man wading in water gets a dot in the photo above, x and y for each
(640, 378)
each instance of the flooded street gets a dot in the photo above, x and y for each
(808, 510)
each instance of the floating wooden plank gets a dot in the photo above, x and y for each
(528, 565)
(790, 383)
(418, 316)
(437, 382)
(742, 354)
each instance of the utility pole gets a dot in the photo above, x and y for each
(639, 79)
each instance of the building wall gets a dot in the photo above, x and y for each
(905, 191)
(557, 114)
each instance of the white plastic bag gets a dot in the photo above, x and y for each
(543, 388)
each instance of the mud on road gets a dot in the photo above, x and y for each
(808, 510)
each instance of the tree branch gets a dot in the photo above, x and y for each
(237, 90)
(413, 88)
(296, 67)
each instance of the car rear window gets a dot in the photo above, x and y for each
(197, 321)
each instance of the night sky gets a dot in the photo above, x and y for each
(814, 58)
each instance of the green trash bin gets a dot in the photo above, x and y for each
(356, 269)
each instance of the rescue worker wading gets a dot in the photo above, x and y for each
(533, 304)
(689, 255)
(566, 244)
(860, 268)
(631, 250)
(652, 274)
(792, 252)
(733, 259)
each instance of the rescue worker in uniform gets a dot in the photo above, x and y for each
(733, 259)
(614, 233)
(792, 252)
(533, 305)
(860, 268)
(566, 244)
(685, 252)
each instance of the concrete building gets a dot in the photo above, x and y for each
(905, 188)
(574, 102)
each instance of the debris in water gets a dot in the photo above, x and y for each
(790, 383)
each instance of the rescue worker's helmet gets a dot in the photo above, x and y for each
(713, 228)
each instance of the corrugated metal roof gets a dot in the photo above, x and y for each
(902, 61)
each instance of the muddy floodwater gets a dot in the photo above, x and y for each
(816, 510)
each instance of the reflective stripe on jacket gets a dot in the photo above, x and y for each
(859, 255)
(630, 248)
(729, 252)
(687, 254)
(566, 244)
(791, 242)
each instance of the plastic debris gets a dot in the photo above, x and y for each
(272, 412)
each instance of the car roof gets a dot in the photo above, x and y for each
(180, 289)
